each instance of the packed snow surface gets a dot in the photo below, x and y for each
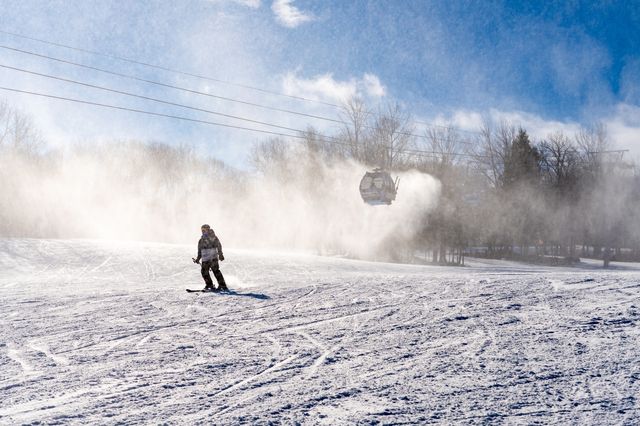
(104, 333)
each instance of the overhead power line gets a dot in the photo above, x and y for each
(189, 74)
(442, 126)
(131, 77)
(300, 136)
(148, 98)
(333, 140)
(159, 67)
(80, 101)
(417, 152)
(208, 78)
(170, 86)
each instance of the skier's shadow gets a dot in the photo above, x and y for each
(258, 296)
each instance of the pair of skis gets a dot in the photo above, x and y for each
(189, 290)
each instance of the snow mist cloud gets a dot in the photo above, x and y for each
(327, 214)
(154, 192)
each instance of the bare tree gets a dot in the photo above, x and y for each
(392, 136)
(560, 161)
(593, 143)
(492, 151)
(445, 146)
(356, 133)
(593, 139)
(271, 156)
(17, 131)
(561, 169)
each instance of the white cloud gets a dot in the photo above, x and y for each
(254, 4)
(325, 87)
(461, 119)
(623, 127)
(373, 86)
(472, 121)
(320, 87)
(536, 126)
(289, 15)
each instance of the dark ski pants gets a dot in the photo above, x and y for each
(215, 267)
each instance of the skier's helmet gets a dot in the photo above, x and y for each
(205, 226)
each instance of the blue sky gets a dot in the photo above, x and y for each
(543, 65)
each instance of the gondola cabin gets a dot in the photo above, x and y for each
(377, 188)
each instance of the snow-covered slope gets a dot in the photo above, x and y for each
(104, 333)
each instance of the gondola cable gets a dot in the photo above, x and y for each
(106, 55)
(160, 67)
(143, 80)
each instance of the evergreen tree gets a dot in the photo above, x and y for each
(522, 163)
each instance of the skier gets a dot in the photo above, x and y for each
(210, 250)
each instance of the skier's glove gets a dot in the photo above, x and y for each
(221, 257)
(195, 260)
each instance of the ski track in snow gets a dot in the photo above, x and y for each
(104, 333)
